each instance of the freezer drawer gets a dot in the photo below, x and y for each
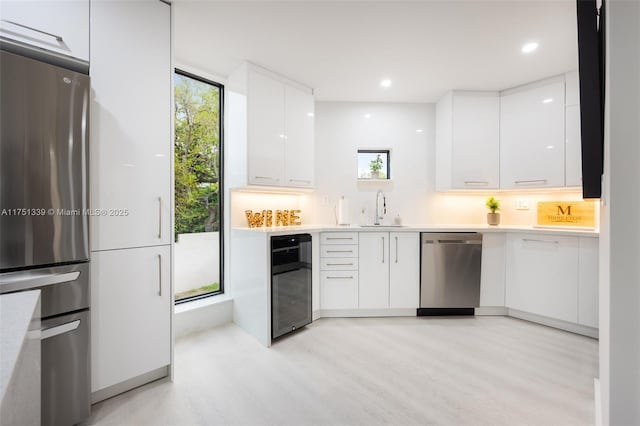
(65, 369)
(450, 270)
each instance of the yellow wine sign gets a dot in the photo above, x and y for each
(567, 213)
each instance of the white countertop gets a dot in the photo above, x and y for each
(569, 231)
(16, 313)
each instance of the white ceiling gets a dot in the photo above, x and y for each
(344, 49)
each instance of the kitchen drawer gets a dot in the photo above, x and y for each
(339, 264)
(339, 290)
(339, 251)
(339, 238)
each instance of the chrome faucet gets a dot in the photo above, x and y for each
(379, 216)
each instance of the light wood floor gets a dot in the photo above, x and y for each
(373, 371)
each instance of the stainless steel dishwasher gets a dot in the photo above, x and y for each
(450, 273)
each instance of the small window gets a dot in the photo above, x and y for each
(373, 164)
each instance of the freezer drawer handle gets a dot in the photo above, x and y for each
(39, 281)
(59, 329)
(57, 37)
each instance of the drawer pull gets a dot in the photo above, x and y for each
(57, 37)
(341, 278)
(528, 182)
(533, 240)
(339, 251)
(266, 178)
(300, 180)
(476, 182)
(339, 264)
(339, 238)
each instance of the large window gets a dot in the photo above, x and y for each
(198, 187)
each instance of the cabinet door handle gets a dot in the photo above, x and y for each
(340, 278)
(527, 182)
(160, 217)
(534, 240)
(159, 275)
(396, 249)
(382, 249)
(59, 329)
(57, 37)
(476, 182)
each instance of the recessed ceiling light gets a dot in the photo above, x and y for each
(547, 101)
(367, 116)
(529, 47)
(550, 147)
(385, 83)
(418, 130)
(309, 114)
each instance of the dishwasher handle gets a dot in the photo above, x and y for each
(453, 242)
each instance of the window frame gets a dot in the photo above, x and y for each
(387, 152)
(221, 186)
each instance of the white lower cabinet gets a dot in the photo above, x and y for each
(130, 313)
(542, 276)
(369, 270)
(588, 282)
(339, 270)
(404, 270)
(338, 289)
(374, 270)
(492, 278)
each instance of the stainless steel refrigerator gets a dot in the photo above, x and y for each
(44, 222)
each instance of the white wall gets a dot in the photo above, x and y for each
(620, 239)
(341, 129)
(196, 260)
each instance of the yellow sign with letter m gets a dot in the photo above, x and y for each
(567, 213)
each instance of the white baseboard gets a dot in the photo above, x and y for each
(356, 313)
(130, 384)
(491, 310)
(551, 322)
(598, 401)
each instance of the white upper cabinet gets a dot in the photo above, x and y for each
(532, 135)
(58, 26)
(131, 138)
(468, 141)
(266, 130)
(270, 133)
(573, 148)
(298, 143)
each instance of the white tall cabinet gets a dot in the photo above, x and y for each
(270, 134)
(131, 186)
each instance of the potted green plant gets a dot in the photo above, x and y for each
(493, 218)
(375, 166)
